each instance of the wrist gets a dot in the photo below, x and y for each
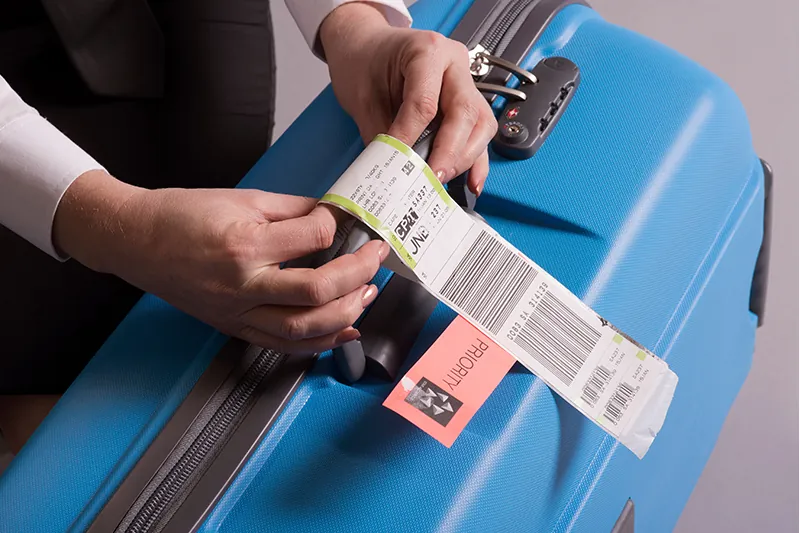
(349, 26)
(88, 224)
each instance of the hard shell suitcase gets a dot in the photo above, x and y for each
(646, 200)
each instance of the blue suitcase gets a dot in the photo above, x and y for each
(646, 200)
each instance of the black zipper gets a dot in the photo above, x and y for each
(498, 31)
(162, 495)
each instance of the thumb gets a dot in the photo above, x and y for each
(421, 91)
(277, 207)
(299, 236)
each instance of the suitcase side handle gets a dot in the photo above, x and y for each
(758, 290)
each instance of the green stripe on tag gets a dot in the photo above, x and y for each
(395, 143)
(437, 186)
(641, 355)
(618, 338)
(354, 208)
(358, 211)
(410, 153)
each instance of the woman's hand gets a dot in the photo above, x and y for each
(216, 255)
(395, 81)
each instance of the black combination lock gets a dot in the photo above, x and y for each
(525, 123)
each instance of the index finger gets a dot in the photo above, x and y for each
(421, 90)
(297, 237)
(315, 287)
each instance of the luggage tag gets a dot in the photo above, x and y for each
(385, 341)
(451, 381)
(618, 384)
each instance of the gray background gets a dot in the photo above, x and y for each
(750, 483)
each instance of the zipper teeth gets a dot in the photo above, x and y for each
(498, 30)
(216, 428)
(501, 26)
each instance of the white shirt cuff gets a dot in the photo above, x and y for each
(309, 15)
(37, 166)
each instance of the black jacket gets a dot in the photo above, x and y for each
(167, 93)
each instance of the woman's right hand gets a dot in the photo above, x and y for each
(216, 255)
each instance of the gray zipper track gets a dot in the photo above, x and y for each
(499, 29)
(215, 431)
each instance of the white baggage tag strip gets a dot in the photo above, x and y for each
(615, 382)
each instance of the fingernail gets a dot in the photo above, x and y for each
(350, 334)
(479, 189)
(369, 295)
(383, 251)
(441, 175)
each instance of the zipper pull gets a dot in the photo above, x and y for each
(481, 61)
(502, 90)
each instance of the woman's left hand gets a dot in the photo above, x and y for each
(396, 80)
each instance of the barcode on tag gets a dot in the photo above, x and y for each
(619, 403)
(505, 300)
(488, 282)
(596, 385)
(557, 337)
